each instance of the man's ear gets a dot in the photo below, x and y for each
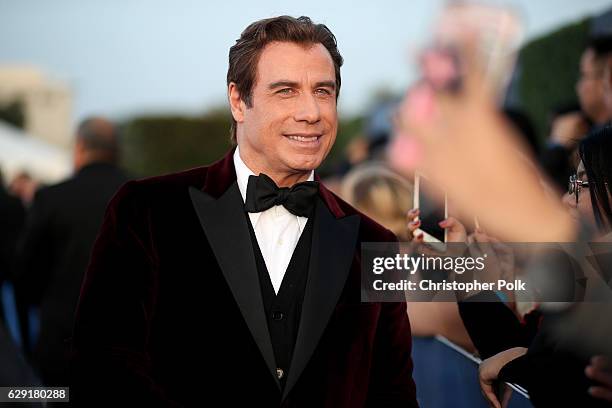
(237, 106)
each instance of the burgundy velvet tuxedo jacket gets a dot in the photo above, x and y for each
(171, 311)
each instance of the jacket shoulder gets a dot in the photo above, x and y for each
(166, 183)
(145, 192)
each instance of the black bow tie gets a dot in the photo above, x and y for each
(263, 193)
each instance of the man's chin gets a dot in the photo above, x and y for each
(303, 162)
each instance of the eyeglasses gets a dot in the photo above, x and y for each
(575, 185)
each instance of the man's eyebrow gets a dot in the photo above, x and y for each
(326, 84)
(283, 83)
(294, 84)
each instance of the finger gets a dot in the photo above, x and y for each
(602, 362)
(597, 374)
(506, 396)
(413, 225)
(601, 393)
(483, 242)
(489, 394)
(473, 247)
(480, 236)
(449, 223)
(418, 236)
(452, 224)
(412, 213)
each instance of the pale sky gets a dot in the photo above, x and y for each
(125, 57)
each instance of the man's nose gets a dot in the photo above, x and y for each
(308, 109)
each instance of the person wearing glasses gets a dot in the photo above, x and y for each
(588, 195)
(585, 379)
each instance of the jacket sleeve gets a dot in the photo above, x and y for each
(492, 326)
(110, 361)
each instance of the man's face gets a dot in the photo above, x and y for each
(589, 86)
(292, 123)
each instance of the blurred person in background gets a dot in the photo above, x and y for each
(567, 129)
(595, 177)
(588, 197)
(54, 249)
(380, 194)
(24, 187)
(590, 86)
(15, 370)
(12, 217)
(355, 152)
(369, 146)
(515, 207)
(562, 365)
(387, 197)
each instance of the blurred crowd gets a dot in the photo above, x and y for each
(46, 236)
(492, 166)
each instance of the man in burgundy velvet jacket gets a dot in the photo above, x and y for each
(215, 284)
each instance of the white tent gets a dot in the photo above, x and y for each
(21, 152)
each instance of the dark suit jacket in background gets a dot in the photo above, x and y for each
(171, 311)
(12, 217)
(61, 228)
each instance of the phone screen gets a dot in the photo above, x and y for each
(430, 212)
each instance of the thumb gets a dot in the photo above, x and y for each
(452, 224)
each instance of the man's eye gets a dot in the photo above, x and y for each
(323, 91)
(285, 91)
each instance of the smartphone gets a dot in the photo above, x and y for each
(427, 198)
(494, 31)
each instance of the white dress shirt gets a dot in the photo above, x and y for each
(276, 229)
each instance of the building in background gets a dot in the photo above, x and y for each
(46, 103)
(43, 108)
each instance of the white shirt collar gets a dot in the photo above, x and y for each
(242, 176)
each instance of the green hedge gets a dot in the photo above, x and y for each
(154, 145)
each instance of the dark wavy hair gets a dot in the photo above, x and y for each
(596, 155)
